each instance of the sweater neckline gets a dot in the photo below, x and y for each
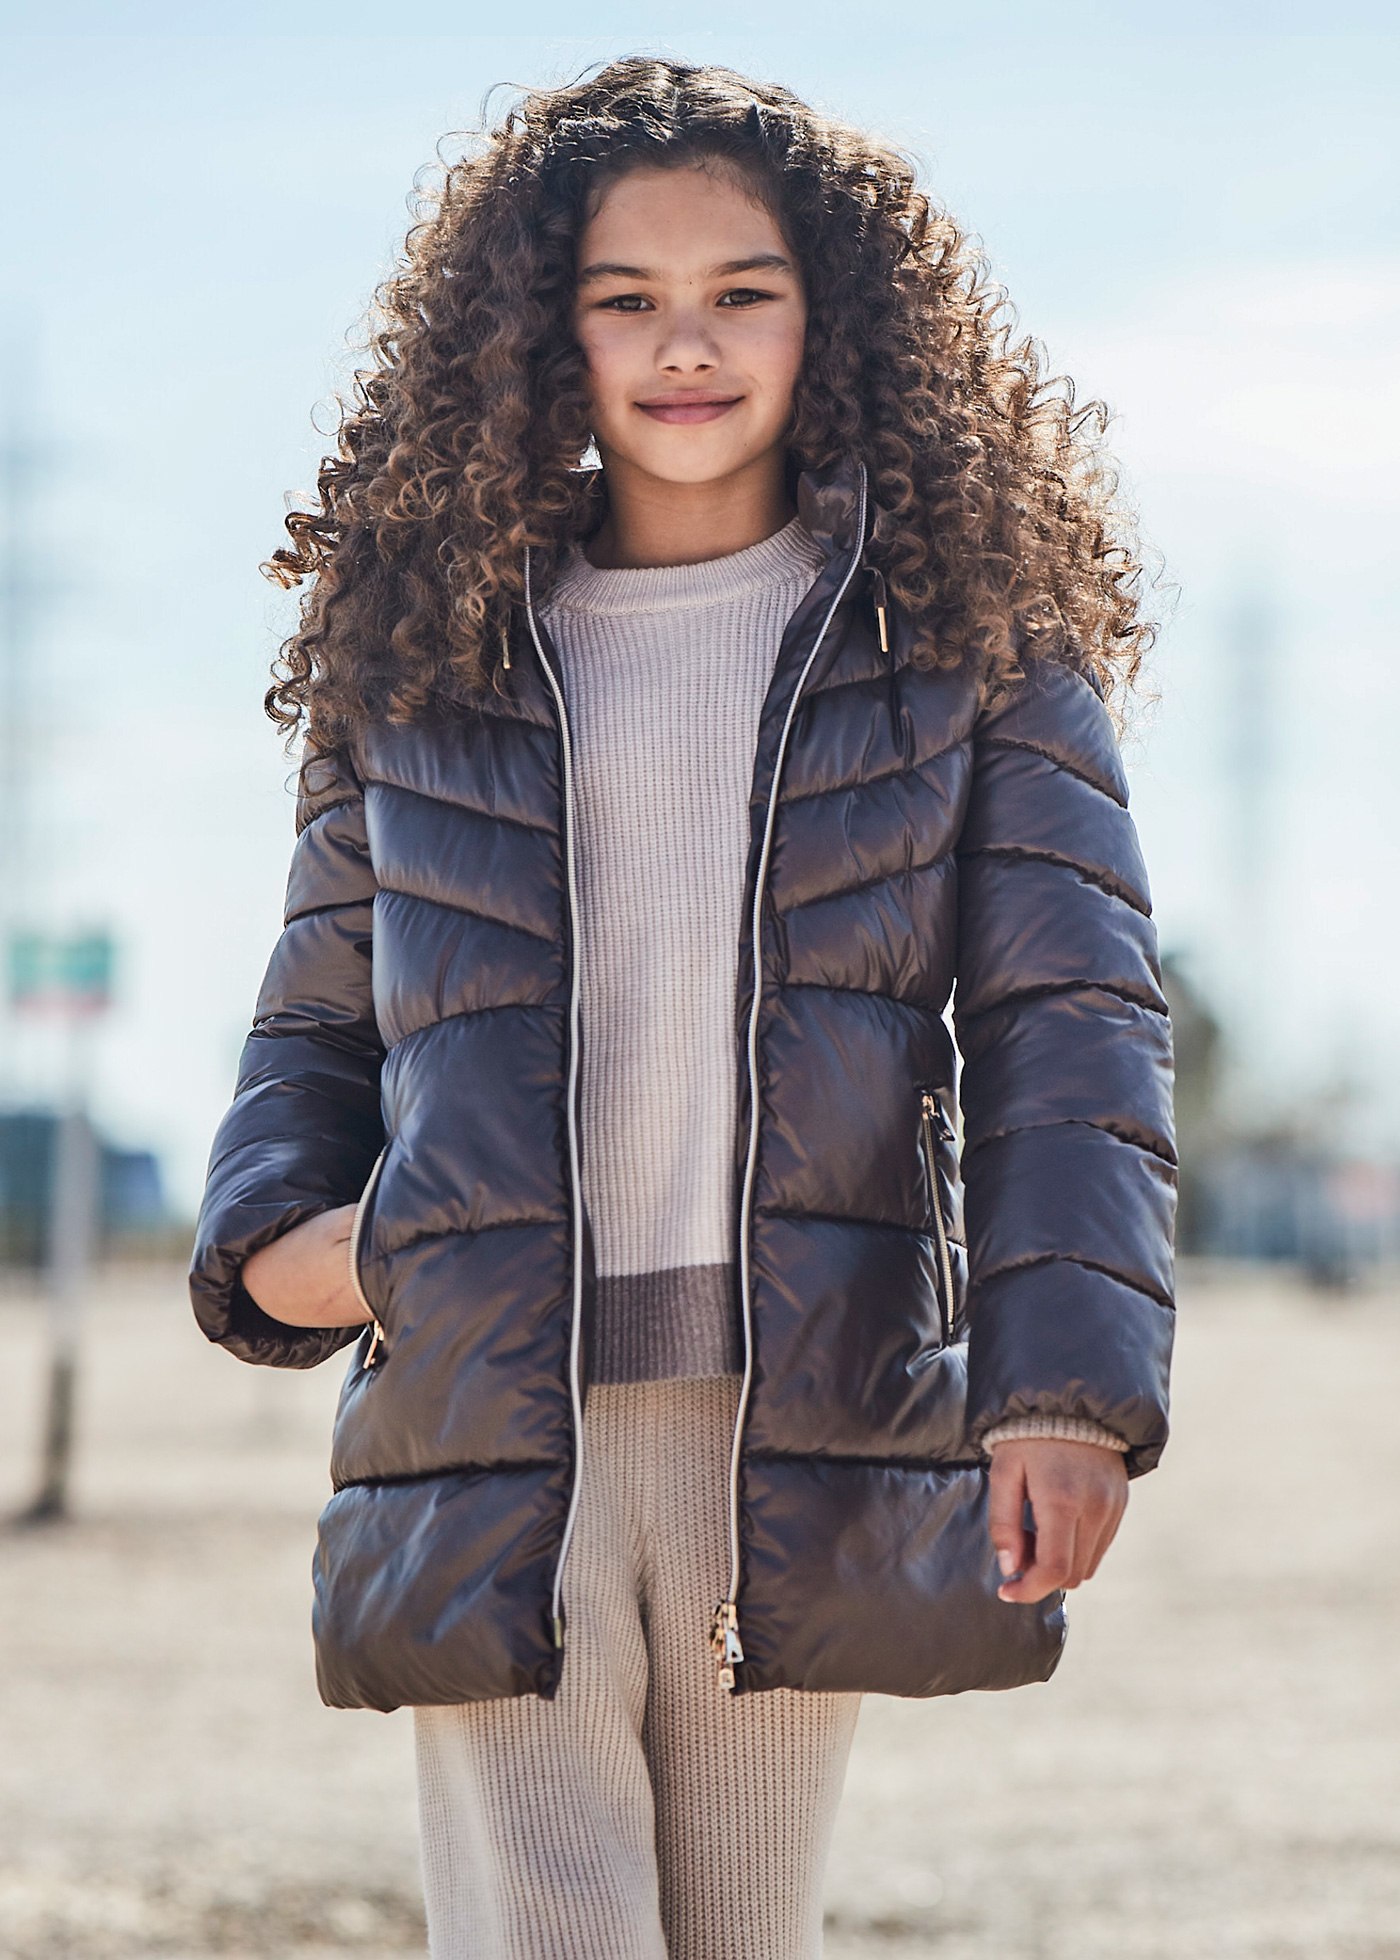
(581, 586)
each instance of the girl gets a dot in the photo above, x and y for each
(706, 665)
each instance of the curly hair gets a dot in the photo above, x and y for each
(999, 530)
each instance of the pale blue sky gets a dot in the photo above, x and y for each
(1200, 226)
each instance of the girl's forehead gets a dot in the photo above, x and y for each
(707, 193)
(663, 231)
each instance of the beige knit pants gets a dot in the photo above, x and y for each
(644, 1812)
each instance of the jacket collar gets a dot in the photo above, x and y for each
(829, 501)
(830, 498)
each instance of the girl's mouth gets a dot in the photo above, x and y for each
(683, 411)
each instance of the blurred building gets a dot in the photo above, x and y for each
(1258, 1190)
(133, 1213)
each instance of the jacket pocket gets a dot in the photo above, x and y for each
(357, 1223)
(932, 1126)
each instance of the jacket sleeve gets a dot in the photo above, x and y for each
(1069, 1148)
(304, 1127)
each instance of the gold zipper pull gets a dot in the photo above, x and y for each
(881, 600)
(378, 1337)
(505, 644)
(724, 1641)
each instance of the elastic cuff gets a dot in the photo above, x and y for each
(1068, 1429)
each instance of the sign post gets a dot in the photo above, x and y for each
(71, 978)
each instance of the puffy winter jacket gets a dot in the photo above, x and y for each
(415, 1050)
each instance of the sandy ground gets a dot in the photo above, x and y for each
(1213, 1772)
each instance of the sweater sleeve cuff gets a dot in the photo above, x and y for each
(1069, 1429)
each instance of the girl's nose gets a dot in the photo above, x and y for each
(685, 346)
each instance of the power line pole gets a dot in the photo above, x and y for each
(1252, 680)
(42, 969)
(21, 594)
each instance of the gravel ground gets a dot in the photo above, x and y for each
(1213, 1772)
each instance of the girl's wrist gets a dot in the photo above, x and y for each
(304, 1279)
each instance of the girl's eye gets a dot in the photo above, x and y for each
(632, 302)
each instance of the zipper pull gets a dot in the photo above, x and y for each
(373, 1346)
(935, 1111)
(881, 600)
(724, 1641)
(505, 644)
(933, 1118)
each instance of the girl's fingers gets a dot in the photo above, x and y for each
(1006, 1516)
(1077, 1501)
(1052, 1558)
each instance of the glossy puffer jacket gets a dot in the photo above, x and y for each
(906, 1280)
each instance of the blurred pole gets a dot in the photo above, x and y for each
(1251, 744)
(1252, 838)
(20, 472)
(74, 1206)
(42, 968)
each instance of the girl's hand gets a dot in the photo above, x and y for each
(1078, 1493)
(303, 1278)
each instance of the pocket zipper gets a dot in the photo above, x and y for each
(372, 1353)
(931, 1114)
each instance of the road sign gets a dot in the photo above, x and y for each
(54, 973)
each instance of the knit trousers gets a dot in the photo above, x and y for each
(644, 1812)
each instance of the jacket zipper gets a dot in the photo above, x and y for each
(931, 1115)
(374, 1351)
(725, 1643)
(566, 743)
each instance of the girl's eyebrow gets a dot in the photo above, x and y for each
(761, 262)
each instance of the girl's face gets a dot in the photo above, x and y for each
(691, 314)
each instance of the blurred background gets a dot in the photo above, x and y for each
(1196, 214)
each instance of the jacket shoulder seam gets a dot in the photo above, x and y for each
(313, 812)
(1057, 761)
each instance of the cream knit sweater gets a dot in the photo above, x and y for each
(664, 670)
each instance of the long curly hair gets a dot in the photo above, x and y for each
(1000, 531)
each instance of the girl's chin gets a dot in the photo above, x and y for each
(694, 455)
(679, 474)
